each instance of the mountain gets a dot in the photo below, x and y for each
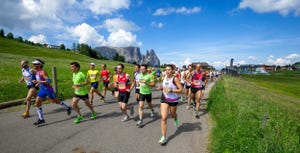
(131, 54)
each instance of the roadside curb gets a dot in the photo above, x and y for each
(11, 103)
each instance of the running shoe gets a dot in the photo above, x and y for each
(163, 140)
(197, 115)
(39, 121)
(187, 107)
(78, 119)
(25, 115)
(131, 110)
(126, 118)
(139, 123)
(181, 99)
(91, 102)
(152, 114)
(94, 115)
(69, 111)
(103, 99)
(176, 123)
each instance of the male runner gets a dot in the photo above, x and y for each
(93, 76)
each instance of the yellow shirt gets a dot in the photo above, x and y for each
(93, 75)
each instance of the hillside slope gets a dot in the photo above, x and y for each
(12, 52)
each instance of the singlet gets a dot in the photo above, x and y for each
(79, 78)
(169, 84)
(197, 79)
(28, 76)
(92, 74)
(137, 77)
(104, 74)
(43, 86)
(123, 83)
(182, 77)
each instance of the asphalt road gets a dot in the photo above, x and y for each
(105, 134)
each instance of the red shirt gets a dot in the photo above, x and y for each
(197, 79)
(104, 75)
(123, 83)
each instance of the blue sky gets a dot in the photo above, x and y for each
(180, 31)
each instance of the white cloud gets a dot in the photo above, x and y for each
(122, 38)
(157, 25)
(217, 64)
(106, 6)
(181, 10)
(42, 39)
(38, 15)
(289, 59)
(113, 25)
(293, 56)
(252, 58)
(87, 34)
(283, 7)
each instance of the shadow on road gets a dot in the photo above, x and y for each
(186, 127)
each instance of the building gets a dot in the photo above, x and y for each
(52, 46)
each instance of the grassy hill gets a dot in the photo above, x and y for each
(256, 113)
(12, 52)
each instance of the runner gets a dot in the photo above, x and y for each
(93, 75)
(105, 77)
(146, 82)
(112, 86)
(188, 80)
(182, 81)
(43, 80)
(28, 76)
(197, 87)
(169, 101)
(135, 83)
(123, 85)
(81, 92)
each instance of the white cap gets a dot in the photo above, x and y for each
(37, 62)
(92, 64)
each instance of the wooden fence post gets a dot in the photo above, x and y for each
(54, 79)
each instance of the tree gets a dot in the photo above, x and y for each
(19, 39)
(117, 57)
(2, 33)
(62, 47)
(10, 36)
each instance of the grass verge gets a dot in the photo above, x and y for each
(239, 107)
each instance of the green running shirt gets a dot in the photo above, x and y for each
(79, 78)
(145, 89)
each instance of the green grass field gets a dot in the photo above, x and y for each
(238, 106)
(12, 52)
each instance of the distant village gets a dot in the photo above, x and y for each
(258, 68)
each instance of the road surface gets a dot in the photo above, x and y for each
(105, 134)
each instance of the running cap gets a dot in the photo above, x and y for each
(92, 64)
(38, 61)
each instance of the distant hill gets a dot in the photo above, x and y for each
(131, 54)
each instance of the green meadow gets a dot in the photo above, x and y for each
(256, 113)
(12, 52)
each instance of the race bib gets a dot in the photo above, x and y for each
(197, 82)
(104, 78)
(166, 83)
(122, 86)
(142, 82)
(92, 76)
(26, 78)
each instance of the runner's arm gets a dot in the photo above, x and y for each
(178, 84)
(21, 80)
